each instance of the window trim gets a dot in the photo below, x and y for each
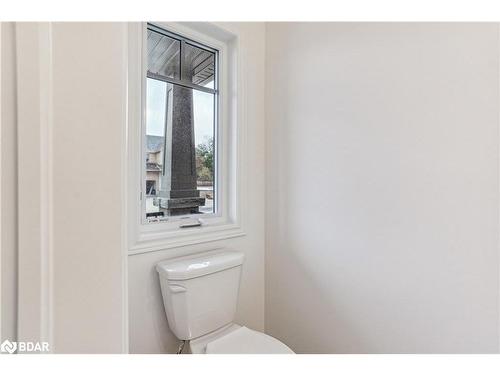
(227, 221)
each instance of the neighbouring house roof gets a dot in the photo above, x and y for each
(154, 143)
(153, 167)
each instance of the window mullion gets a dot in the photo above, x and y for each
(159, 77)
(183, 68)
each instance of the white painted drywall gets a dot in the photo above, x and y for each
(88, 127)
(65, 108)
(8, 203)
(382, 187)
(148, 326)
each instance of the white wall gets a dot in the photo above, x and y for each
(382, 198)
(148, 326)
(89, 61)
(71, 128)
(8, 198)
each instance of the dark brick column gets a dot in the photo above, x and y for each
(178, 187)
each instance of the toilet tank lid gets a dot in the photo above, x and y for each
(198, 265)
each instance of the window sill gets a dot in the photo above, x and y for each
(149, 242)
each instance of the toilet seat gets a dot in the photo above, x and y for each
(246, 341)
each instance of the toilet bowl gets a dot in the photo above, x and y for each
(235, 339)
(200, 294)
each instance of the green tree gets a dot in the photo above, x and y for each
(205, 160)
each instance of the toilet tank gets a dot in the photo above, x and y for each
(200, 292)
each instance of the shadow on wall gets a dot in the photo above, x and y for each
(149, 317)
(317, 303)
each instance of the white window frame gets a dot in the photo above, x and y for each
(226, 221)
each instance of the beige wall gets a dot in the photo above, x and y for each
(8, 203)
(71, 101)
(89, 123)
(382, 187)
(149, 331)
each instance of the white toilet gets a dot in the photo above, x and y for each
(200, 294)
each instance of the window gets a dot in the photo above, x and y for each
(180, 140)
(150, 187)
(186, 129)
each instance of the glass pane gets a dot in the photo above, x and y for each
(163, 55)
(205, 147)
(156, 99)
(200, 64)
(180, 154)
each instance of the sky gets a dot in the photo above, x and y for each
(155, 115)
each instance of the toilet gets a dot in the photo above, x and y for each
(200, 293)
